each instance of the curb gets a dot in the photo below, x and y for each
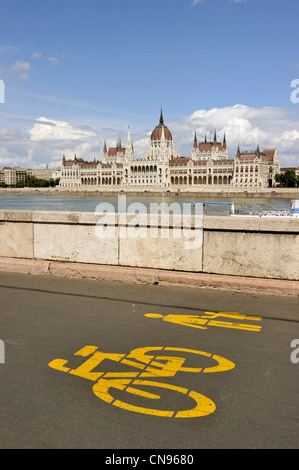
(132, 275)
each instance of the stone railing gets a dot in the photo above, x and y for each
(265, 248)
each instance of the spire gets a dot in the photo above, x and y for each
(129, 142)
(205, 138)
(224, 141)
(105, 147)
(238, 151)
(215, 139)
(129, 152)
(161, 118)
(195, 141)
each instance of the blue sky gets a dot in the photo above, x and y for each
(79, 71)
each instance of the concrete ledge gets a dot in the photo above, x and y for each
(24, 266)
(249, 224)
(131, 275)
(209, 223)
(102, 272)
(245, 285)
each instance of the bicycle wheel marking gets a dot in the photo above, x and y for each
(202, 322)
(148, 366)
(204, 406)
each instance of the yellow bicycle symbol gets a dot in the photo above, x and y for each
(150, 366)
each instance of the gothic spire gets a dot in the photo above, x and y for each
(161, 118)
(195, 141)
(129, 136)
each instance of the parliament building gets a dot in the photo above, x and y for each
(162, 167)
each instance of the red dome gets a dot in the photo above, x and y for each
(157, 132)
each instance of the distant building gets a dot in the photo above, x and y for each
(43, 174)
(11, 176)
(256, 168)
(163, 168)
(56, 173)
(206, 151)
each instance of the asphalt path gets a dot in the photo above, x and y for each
(240, 370)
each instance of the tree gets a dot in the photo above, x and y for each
(288, 179)
(33, 182)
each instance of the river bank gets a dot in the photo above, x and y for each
(267, 193)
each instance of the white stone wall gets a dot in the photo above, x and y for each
(255, 247)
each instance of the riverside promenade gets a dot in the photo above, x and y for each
(129, 343)
(204, 191)
(113, 366)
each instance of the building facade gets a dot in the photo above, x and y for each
(163, 168)
(11, 176)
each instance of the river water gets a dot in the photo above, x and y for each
(38, 202)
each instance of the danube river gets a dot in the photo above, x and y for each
(39, 202)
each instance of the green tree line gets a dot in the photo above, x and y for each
(34, 182)
(288, 179)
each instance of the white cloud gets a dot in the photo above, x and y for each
(53, 60)
(140, 146)
(14, 150)
(50, 130)
(37, 55)
(269, 127)
(6, 48)
(46, 140)
(21, 67)
(23, 76)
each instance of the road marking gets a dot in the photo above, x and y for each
(199, 321)
(151, 365)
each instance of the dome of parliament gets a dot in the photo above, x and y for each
(157, 132)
